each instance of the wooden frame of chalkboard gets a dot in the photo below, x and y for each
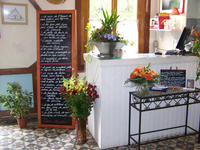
(56, 58)
(171, 77)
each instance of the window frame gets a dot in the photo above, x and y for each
(143, 17)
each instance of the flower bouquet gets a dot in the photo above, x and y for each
(143, 78)
(79, 96)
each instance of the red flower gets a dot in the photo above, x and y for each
(62, 88)
(148, 77)
(132, 75)
(74, 92)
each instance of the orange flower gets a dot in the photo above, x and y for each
(149, 76)
(142, 73)
(133, 74)
(154, 73)
(139, 69)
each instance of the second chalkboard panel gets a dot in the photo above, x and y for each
(173, 77)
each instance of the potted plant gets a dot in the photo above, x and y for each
(79, 96)
(104, 38)
(196, 47)
(17, 102)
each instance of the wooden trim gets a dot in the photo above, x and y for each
(35, 4)
(74, 43)
(82, 8)
(4, 113)
(114, 5)
(38, 66)
(15, 71)
(143, 15)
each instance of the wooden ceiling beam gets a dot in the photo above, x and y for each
(35, 4)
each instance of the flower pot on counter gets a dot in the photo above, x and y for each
(110, 49)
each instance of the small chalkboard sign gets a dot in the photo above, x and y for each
(173, 77)
(56, 58)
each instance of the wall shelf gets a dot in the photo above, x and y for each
(160, 29)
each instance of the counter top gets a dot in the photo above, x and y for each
(141, 58)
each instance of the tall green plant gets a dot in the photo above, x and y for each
(16, 101)
(196, 47)
(196, 51)
(109, 22)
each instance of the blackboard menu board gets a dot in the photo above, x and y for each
(173, 77)
(56, 38)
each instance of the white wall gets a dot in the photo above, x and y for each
(18, 42)
(193, 9)
(45, 5)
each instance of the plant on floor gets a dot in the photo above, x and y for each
(79, 96)
(16, 101)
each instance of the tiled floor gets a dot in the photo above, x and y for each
(33, 138)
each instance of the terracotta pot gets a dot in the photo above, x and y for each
(22, 123)
(81, 131)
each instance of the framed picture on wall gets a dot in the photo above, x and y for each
(166, 6)
(13, 13)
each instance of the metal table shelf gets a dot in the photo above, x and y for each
(154, 101)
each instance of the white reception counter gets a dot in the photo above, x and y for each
(108, 122)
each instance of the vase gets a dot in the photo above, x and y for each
(142, 89)
(81, 130)
(111, 49)
(22, 123)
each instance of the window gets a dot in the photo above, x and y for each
(127, 26)
(128, 10)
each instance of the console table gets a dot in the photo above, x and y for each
(154, 101)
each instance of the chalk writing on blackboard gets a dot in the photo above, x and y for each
(173, 77)
(55, 57)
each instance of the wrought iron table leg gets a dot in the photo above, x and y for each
(186, 119)
(140, 124)
(199, 132)
(129, 120)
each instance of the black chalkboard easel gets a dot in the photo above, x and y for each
(171, 77)
(56, 58)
